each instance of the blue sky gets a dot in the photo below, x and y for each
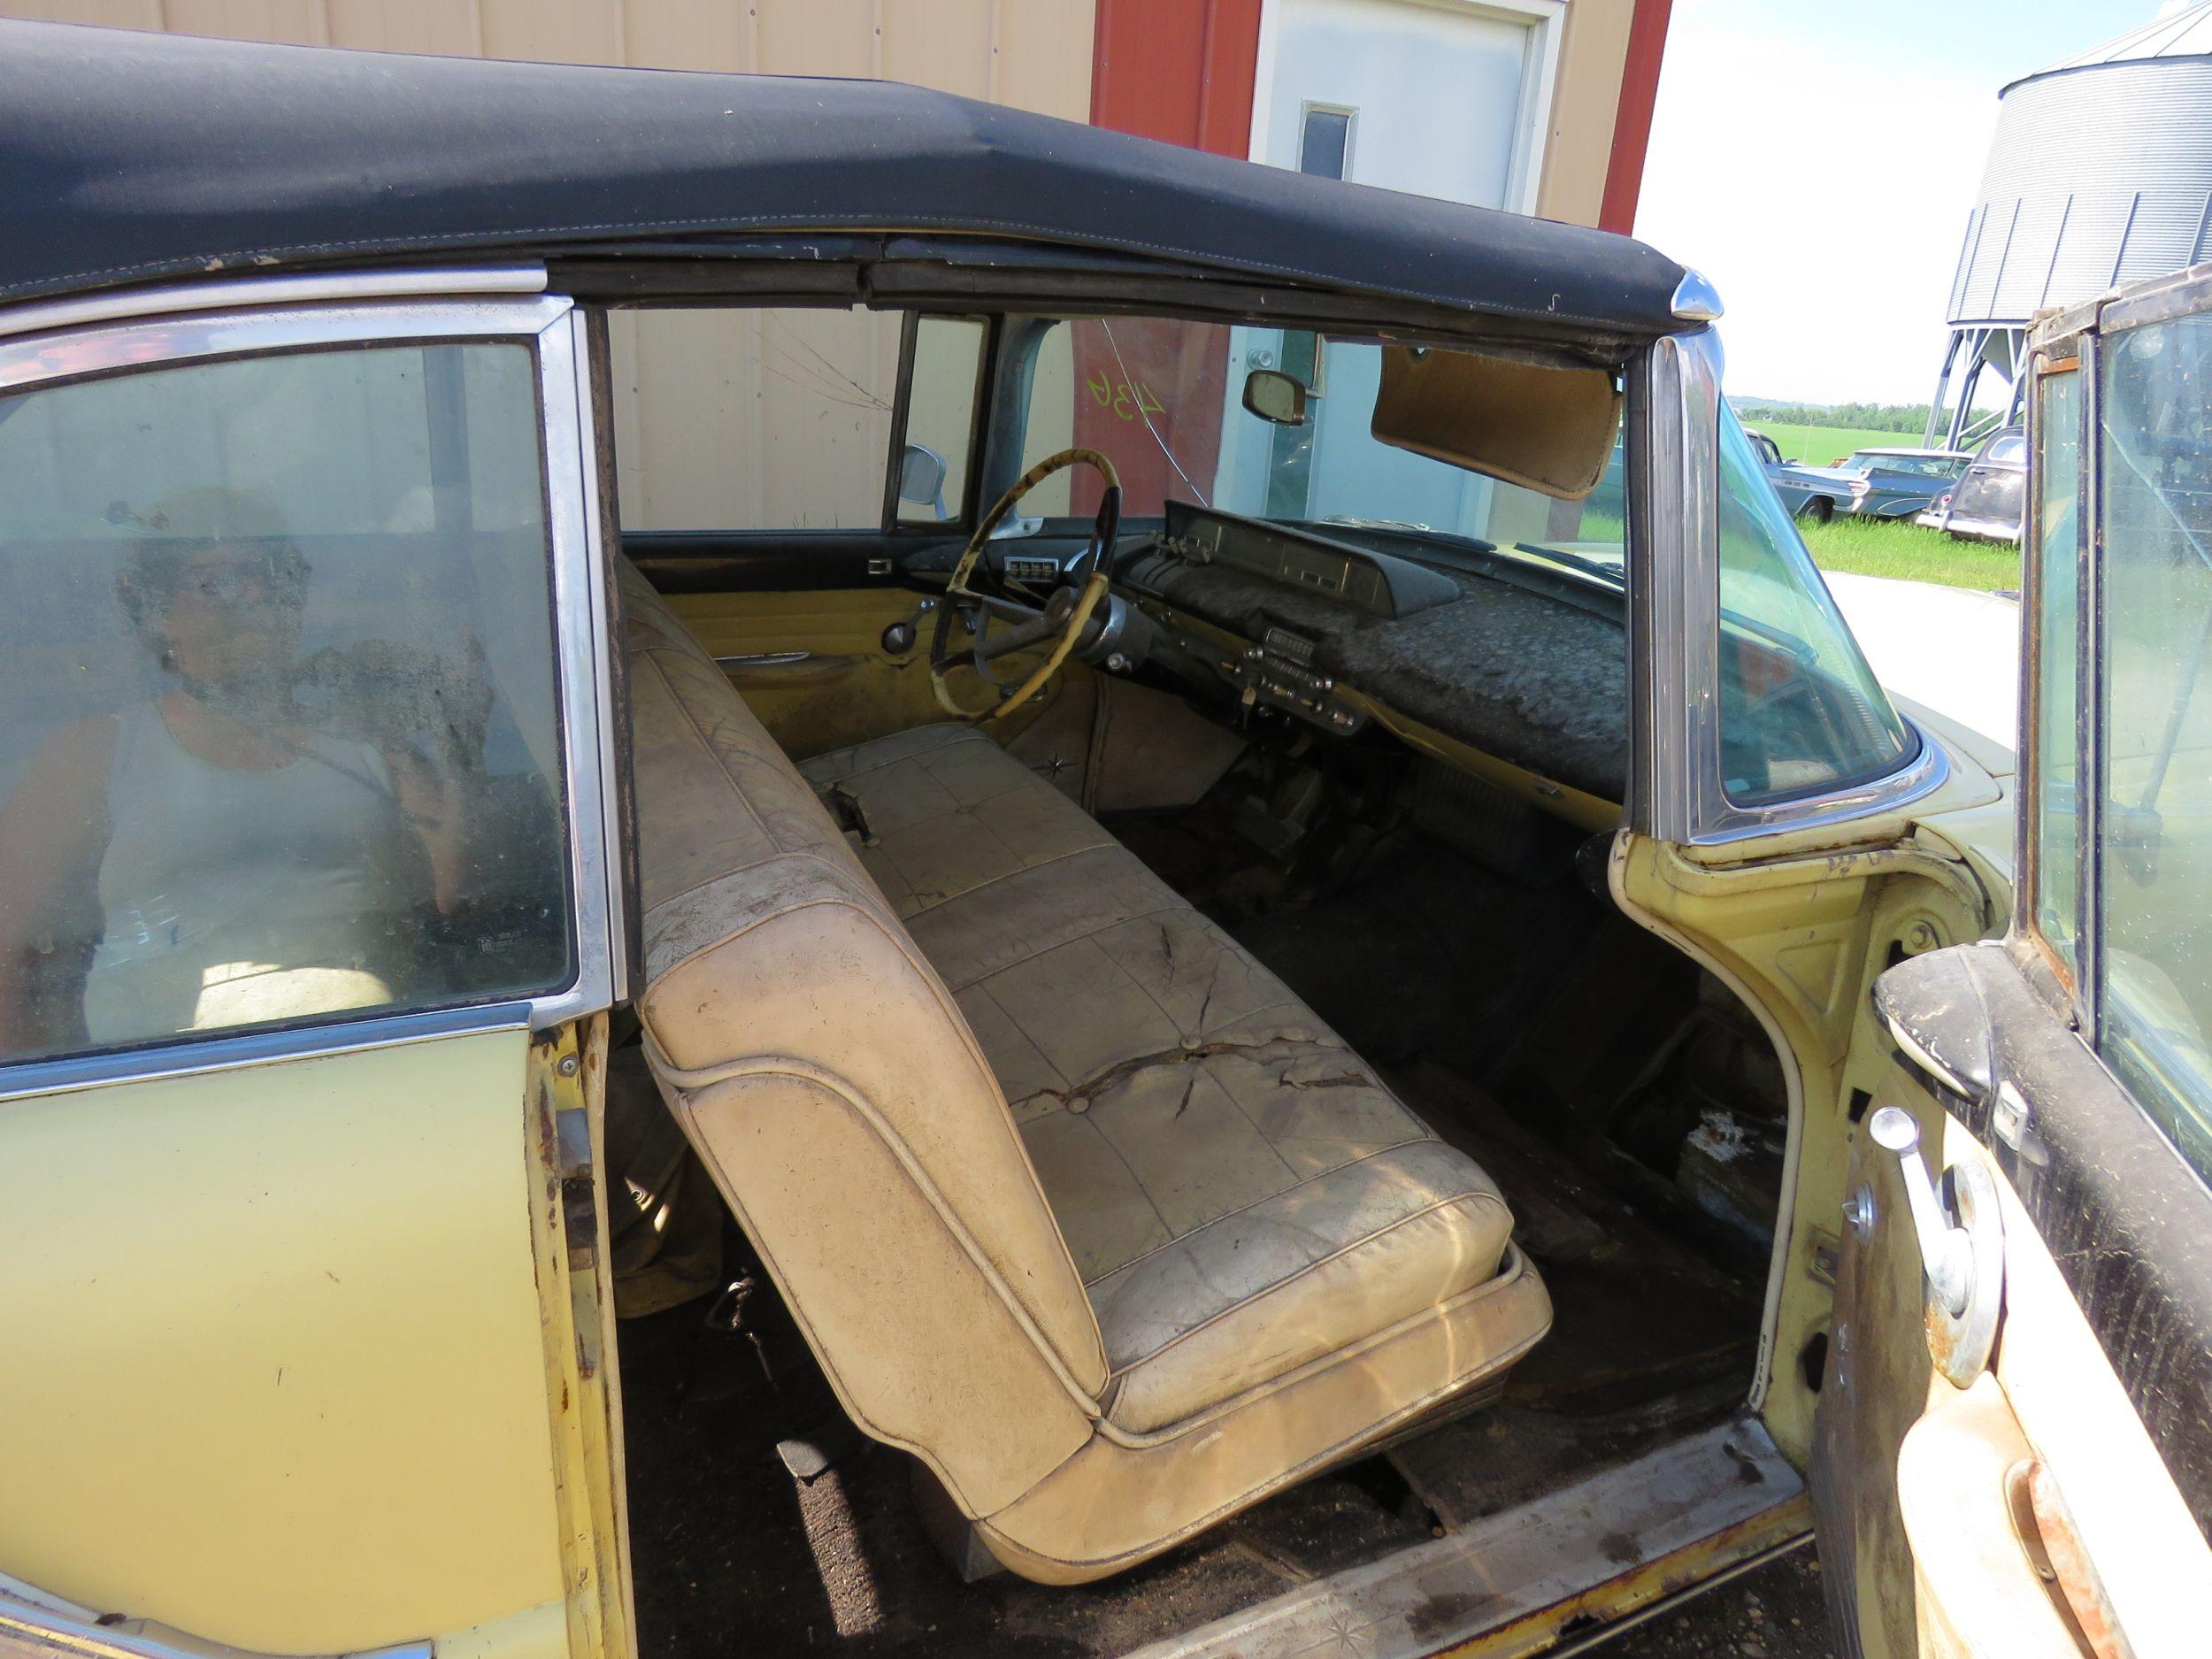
(1817, 162)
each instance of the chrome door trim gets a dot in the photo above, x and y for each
(762, 659)
(2089, 697)
(33, 1625)
(582, 642)
(582, 628)
(526, 277)
(27, 361)
(191, 1056)
(1675, 789)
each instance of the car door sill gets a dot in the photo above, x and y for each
(1588, 1555)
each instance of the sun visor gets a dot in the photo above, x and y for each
(1548, 429)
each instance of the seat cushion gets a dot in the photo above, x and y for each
(1242, 1195)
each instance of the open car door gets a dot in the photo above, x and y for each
(304, 951)
(2013, 1450)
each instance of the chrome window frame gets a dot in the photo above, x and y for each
(2027, 862)
(210, 321)
(1675, 789)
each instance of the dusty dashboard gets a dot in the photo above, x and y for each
(1280, 668)
(1357, 577)
(1533, 672)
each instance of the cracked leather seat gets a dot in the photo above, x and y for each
(1072, 1197)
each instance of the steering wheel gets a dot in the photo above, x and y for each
(1061, 620)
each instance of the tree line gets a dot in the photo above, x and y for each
(1860, 417)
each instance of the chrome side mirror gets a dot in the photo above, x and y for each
(922, 477)
(1275, 397)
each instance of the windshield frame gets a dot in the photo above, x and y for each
(1677, 791)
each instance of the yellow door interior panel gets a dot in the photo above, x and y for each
(275, 1374)
(1801, 939)
(847, 689)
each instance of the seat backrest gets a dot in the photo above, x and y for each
(822, 1071)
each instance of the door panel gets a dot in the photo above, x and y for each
(1926, 1561)
(285, 1389)
(1963, 1475)
(810, 661)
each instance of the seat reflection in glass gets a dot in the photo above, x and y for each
(260, 840)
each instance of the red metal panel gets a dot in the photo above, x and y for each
(1181, 71)
(1632, 122)
(1178, 71)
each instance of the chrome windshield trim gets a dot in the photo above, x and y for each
(193, 1056)
(1674, 412)
(526, 277)
(1676, 792)
(1722, 821)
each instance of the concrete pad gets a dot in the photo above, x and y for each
(1955, 650)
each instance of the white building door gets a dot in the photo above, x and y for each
(1440, 99)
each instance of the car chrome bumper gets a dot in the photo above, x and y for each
(1981, 529)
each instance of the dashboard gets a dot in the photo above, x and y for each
(1377, 583)
(1295, 621)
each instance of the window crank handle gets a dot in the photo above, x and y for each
(1945, 1250)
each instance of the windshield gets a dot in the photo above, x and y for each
(1800, 710)
(1164, 399)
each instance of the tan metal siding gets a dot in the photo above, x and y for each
(1584, 101)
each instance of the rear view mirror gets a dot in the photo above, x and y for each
(922, 477)
(1275, 397)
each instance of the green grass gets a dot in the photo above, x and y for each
(1822, 446)
(1902, 548)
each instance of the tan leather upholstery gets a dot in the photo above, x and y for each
(1215, 1254)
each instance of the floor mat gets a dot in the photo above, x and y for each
(733, 1554)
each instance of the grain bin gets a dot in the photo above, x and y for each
(2101, 172)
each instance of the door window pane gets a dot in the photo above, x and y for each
(940, 419)
(279, 739)
(1800, 712)
(2154, 836)
(2056, 546)
(736, 418)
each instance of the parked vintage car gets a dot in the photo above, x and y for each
(726, 701)
(1895, 483)
(1989, 501)
(1874, 483)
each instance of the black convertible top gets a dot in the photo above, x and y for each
(127, 156)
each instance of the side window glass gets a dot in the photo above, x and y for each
(281, 738)
(2053, 825)
(940, 409)
(735, 417)
(1800, 712)
(2154, 836)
